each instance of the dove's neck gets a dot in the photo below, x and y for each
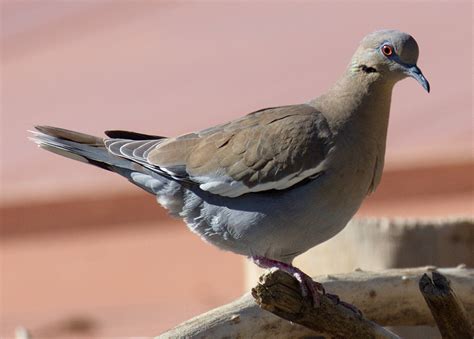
(357, 110)
(358, 104)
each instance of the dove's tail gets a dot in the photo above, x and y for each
(90, 149)
(78, 146)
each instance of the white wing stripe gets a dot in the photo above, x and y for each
(228, 187)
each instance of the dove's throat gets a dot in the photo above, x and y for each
(357, 112)
(357, 105)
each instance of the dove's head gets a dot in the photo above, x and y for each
(388, 55)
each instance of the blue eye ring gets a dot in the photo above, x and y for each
(387, 50)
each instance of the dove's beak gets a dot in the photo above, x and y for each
(415, 72)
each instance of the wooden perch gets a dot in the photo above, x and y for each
(448, 311)
(279, 293)
(389, 298)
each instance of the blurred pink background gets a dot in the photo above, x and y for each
(173, 67)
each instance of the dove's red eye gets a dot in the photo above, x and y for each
(387, 50)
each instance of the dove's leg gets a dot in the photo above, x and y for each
(308, 285)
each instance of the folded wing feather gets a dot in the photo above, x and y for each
(268, 149)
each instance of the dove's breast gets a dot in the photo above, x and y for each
(278, 224)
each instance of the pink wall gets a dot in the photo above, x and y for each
(168, 68)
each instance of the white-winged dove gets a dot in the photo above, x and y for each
(277, 181)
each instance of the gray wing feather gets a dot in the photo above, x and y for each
(269, 149)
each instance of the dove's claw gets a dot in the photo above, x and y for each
(338, 301)
(308, 286)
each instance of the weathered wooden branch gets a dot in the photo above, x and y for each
(448, 311)
(389, 298)
(279, 293)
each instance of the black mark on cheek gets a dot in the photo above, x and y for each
(368, 69)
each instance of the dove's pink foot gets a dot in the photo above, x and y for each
(308, 286)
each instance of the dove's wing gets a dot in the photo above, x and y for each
(271, 149)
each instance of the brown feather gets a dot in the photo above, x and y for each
(262, 147)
